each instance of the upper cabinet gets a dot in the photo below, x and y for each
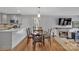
(4, 18)
(10, 18)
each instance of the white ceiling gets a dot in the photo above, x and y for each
(43, 10)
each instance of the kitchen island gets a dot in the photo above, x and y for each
(11, 38)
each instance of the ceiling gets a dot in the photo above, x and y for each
(43, 10)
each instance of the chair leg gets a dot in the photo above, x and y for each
(49, 41)
(43, 41)
(27, 40)
(34, 45)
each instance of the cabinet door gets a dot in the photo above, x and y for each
(73, 35)
(77, 36)
(4, 18)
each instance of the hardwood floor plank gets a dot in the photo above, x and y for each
(24, 46)
(55, 46)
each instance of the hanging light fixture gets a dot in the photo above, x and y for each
(37, 18)
(38, 15)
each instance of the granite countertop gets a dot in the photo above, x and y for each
(12, 30)
(7, 27)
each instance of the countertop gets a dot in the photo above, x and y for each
(12, 30)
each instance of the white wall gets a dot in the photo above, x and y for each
(51, 21)
(45, 20)
(48, 22)
(27, 21)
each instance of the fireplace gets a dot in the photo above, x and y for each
(63, 34)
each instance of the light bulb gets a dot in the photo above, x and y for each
(38, 15)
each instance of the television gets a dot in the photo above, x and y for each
(64, 21)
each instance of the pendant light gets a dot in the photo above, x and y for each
(38, 15)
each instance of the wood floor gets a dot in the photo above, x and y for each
(24, 46)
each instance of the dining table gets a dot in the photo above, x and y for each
(38, 36)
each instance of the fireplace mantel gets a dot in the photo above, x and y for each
(62, 29)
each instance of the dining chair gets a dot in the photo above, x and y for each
(48, 35)
(28, 34)
(53, 32)
(38, 37)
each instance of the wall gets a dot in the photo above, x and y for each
(48, 22)
(27, 21)
(45, 21)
